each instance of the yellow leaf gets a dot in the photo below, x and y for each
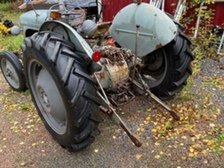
(181, 144)
(157, 144)
(161, 153)
(34, 144)
(138, 156)
(205, 161)
(157, 156)
(147, 118)
(191, 155)
(191, 150)
(211, 125)
(153, 130)
(23, 164)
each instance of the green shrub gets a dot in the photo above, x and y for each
(203, 46)
(4, 7)
(6, 1)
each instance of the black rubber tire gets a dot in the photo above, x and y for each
(76, 88)
(17, 66)
(178, 58)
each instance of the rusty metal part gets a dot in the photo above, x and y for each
(115, 66)
(118, 73)
(159, 46)
(115, 117)
(136, 50)
(111, 75)
(144, 86)
(121, 98)
(116, 55)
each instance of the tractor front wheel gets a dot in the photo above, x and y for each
(12, 71)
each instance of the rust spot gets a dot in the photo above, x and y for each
(100, 75)
(159, 46)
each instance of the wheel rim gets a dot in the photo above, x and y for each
(10, 73)
(156, 68)
(47, 97)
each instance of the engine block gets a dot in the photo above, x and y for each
(115, 63)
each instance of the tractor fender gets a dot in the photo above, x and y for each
(69, 34)
(153, 27)
(32, 20)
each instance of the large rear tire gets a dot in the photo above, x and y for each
(168, 68)
(63, 92)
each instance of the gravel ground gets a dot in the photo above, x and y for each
(191, 143)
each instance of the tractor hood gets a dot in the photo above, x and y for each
(155, 28)
(33, 19)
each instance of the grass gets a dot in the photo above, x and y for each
(219, 141)
(10, 42)
(4, 7)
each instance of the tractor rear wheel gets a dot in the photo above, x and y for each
(63, 92)
(167, 69)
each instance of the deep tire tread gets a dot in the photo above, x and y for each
(75, 86)
(179, 66)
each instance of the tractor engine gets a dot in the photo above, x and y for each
(116, 66)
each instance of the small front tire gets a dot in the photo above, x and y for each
(12, 71)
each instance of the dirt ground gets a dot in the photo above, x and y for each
(195, 141)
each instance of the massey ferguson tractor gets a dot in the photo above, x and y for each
(75, 65)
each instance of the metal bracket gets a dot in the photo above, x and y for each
(115, 117)
(145, 87)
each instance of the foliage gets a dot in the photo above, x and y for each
(6, 1)
(7, 5)
(10, 42)
(201, 1)
(204, 44)
(4, 7)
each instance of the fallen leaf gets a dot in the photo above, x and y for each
(34, 144)
(138, 156)
(157, 156)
